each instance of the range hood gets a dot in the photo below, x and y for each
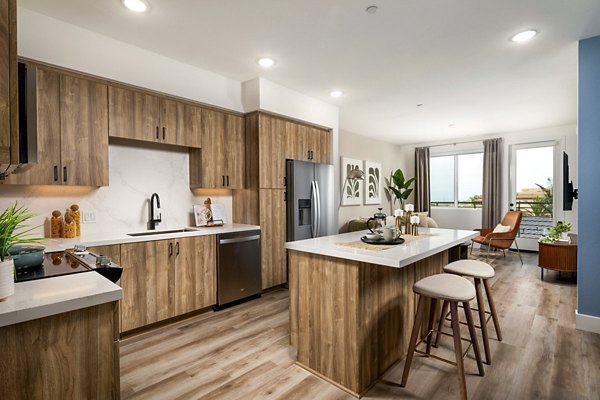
(28, 143)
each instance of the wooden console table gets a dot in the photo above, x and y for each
(560, 257)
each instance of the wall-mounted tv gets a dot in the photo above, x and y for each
(569, 193)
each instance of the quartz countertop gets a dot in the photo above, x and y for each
(399, 256)
(44, 297)
(106, 239)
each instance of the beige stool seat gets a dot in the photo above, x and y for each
(445, 287)
(471, 268)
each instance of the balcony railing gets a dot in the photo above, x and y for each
(461, 204)
(529, 208)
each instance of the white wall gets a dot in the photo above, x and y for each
(454, 218)
(136, 171)
(56, 42)
(364, 148)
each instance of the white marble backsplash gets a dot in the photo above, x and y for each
(136, 170)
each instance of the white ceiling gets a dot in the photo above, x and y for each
(454, 57)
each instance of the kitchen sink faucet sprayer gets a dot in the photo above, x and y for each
(154, 221)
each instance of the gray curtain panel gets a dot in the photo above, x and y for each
(422, 191)
(492, 183)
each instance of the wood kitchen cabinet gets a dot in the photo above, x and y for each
(143, 116)
(271, 151)
(72, 128)
(165, 278)
(9, 127)
(221, 161)
(273, 231)
(306, 143)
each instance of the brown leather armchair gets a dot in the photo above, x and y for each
(501, 240)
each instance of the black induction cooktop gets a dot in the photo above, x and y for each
(55, 264)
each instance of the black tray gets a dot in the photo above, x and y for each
(382, 241)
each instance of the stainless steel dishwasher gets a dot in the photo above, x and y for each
(238, 267)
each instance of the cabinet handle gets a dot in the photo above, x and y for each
(65, 173)
(227, 180)
(170, 249)
(157, 133)
(177, 248)
(163, 133)
(223, 178)
(56, 173)
(311, 155)
(284, 181)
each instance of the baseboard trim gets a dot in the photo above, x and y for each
(587, 323)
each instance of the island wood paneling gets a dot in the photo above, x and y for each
(350, 321)
(73, 355)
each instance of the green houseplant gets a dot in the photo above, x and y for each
(556, 232)
(13, 230)
(398, 188)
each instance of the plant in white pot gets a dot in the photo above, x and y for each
(13, 230)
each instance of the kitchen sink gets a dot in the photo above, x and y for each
(148, 233)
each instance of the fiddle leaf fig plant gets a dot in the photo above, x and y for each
(14, 229)
(398, 188)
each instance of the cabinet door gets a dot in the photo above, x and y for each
(271, 143)
(294, 143)
(312, 143)
(133, 115)
(235, 152)
(180, 123)
(8, 80)
(48, 169)
(84, 132)
(147, 282)
(323, 151)
(195, 273)
(272, 226)
(212, 163)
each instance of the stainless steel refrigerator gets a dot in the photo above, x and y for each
(310, 200)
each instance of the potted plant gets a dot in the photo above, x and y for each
(558, 231)
(13, 230)
(397, 188)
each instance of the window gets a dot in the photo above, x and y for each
(456, 180)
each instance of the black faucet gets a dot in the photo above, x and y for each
(153, 221)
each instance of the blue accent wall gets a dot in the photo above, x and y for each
(588, 276)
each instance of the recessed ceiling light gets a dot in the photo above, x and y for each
(266, 62)
(336, 93)
(420, 105)
(372, 9)
(136, 5)
(524, 36)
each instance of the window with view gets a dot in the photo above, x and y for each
(456, 180)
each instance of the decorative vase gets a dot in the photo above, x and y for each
(7, 278)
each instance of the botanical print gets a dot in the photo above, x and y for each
(351, 188)
(373, 182)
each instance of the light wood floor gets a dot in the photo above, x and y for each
(243, 352)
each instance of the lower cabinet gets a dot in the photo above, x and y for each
(165, 278)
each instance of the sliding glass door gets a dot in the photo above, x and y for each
(533, 173)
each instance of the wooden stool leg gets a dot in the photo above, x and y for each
(458, 350)
(441, 323)
(488, 292)
(413, 339)
(432, 312)
(482, 321)
(473, 334)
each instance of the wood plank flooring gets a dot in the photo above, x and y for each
(244, 352)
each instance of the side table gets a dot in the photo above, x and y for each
(558, 256)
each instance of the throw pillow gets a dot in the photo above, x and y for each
(501, 228)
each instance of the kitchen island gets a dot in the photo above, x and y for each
(352, 308)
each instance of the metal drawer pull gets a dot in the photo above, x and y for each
(239, 240)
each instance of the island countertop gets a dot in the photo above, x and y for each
(44, 297)
(398, 257)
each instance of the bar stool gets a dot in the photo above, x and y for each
(451, 289)
(480, 272)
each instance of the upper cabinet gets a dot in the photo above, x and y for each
(221, 161)
(8, 82)
(72, 128)
(142, 116)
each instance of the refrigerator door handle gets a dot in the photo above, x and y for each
(313, 203)
(318, 197)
